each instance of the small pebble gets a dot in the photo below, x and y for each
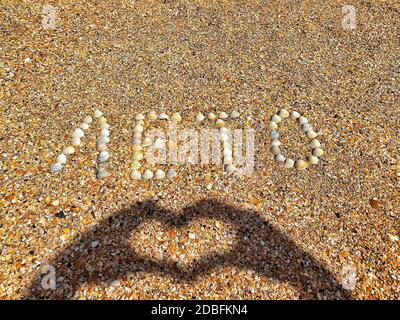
(147, 174)
(313, 159)
(62, 158)
(222, 115)
(171, 173)
(56, 167)
(115, 283)
(87, 119)
(317, 152)
(211, 116)
(69, 150)
(135, 175)
(275, 118)
(289, 163)
(78, 133)
(163, 116)
(152, 115)
(235, 114)
(274, 134)
(200, 117)
(94, 244)
(176, 117)
(97, 114)
(230, 168)
(84, 126)
(159, 174)
(140, 116)
(283, 113)
(301, 164)
(295, 114)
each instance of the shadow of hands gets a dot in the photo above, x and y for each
(258, 246)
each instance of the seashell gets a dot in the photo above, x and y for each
(235, 114)
(311, 134)
(135, 164)
(147, 174)
(101, 173)
(159, 143)
(62, 158)
(147, 142)
(224, 130)
(135, 175)
(227, 153)
(159, 174)
(137, 155)
(139, 122)
(137, 147)
(56, 167)
(87, 119)
(171, 173)
(222, 115)
(200, 117)
(224, 137)
(279, 158)
(78, 133)
(220, 123)
(103, 139)
(176, 117)
(211, 116)
(302, 120)
(314, 144)
(138, 128)
(275, 118)
(101, 120)
(137, 141)
(301, 164)
(104, 125)
(101, 147)
(228, 160)
(274, 134)
(295, 114)
(97, 114)
(76, 141)
(137, 135)
(226, 145)
(163, 116)
(312, 159)
(103, 156)
(289, 163)
(105, 132)
(283, 113)
(275, 150)
(152, 115)
(275, 143)
(69, 150)
(272, 125)
(140, 116)
(84, 126)
(317, 152)
(230, 168)
(306, 127)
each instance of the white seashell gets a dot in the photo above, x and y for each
(159, 174)
(317, 152)
(159, 143)
(69, 150)
(272, 125)
(171, 173)
(220, 123)
(295, 114)
(140, 116)
(137, 135)
(103, 156)
(56, 167)
(235, 114)
(306, 127)
(224, 137)
(227, 153)
(76, 141)
(101, 120)
(84, 126)
(139, 122)
(275, 118)
(163, 116)
(311, 134)
(104, 132)
(211, 116)
(279, 158)
(135, 164)
(274, 134)
(152, 115)
(312, 159)
(230, 168)
(137, 155)
(222, 115)
(275, 143)
(301, 164)
(283, 113)
(78, 133)
(137, 147)
(228, 160)
(138, 128)
(200, 117)
(147, 142)
(87, 119)
(226, 145)
(101, 147)
(224, 130)
(176, 117)
(147, 174)
(104, 125)
(101, 173)
(62, 158)
(289, 163)
(103, 139)
(135, 175)
(315, 144)
(137, 141)
(275, 150)
(302, 120)
(97, 114)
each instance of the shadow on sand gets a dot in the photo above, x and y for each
(258, 246)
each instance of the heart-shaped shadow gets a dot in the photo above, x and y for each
(257, 246)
